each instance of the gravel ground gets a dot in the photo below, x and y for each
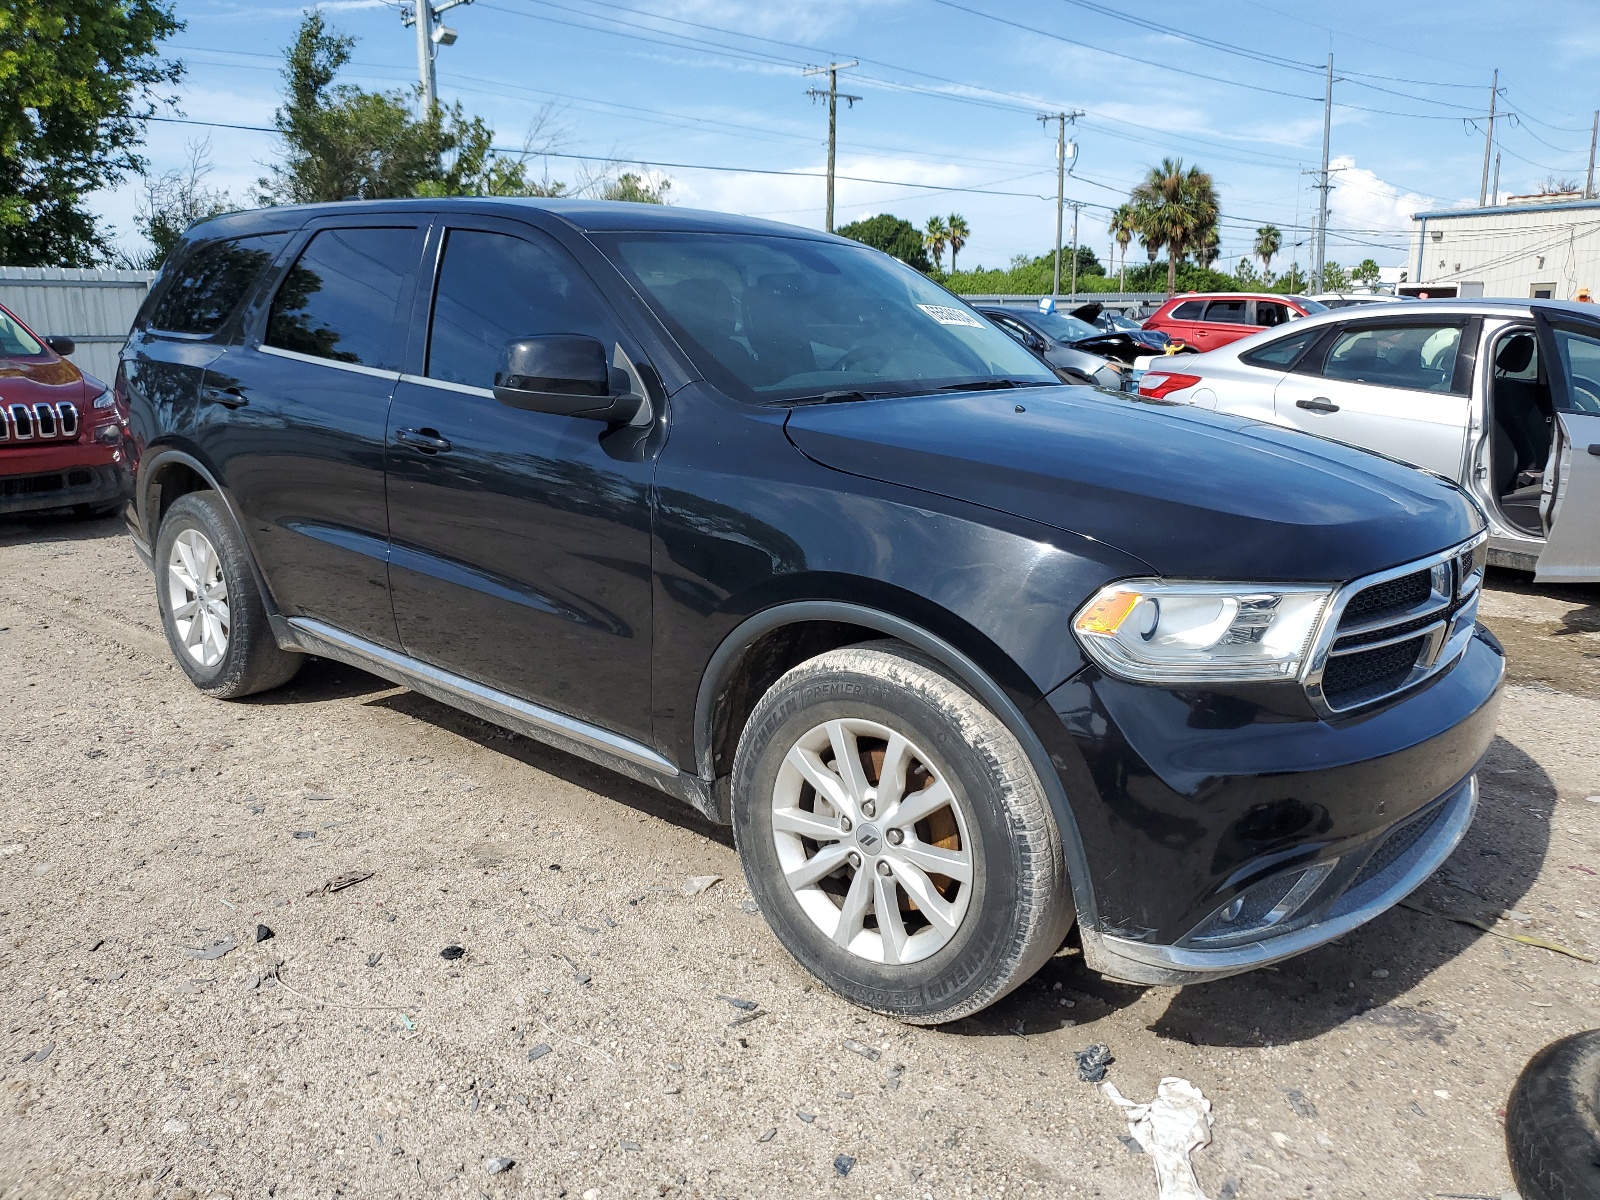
(597, 1031)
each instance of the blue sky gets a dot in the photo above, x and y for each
(950, 90)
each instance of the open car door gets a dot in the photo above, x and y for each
(1570, 505)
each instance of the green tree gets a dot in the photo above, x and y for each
(1177, 209)
(636, 188)
(893, 235)
(1123, 227)
(959, 233)
(1268, 242)
(935, 235)
(170, 203)
(78, 81)
(1366, 272)
(1334, 277)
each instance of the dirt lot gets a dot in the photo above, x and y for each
(586, 1033)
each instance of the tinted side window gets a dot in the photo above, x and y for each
(1282, 352)
(1269, 312)
(212, 281)
(1419, 357)
(338, 300)
(494, 288)
(1227, 312)
(1189, 310)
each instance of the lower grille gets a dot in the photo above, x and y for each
(1352, 679)
(41, 485)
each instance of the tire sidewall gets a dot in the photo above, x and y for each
(949, 978)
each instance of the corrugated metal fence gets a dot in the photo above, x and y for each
(93, 306)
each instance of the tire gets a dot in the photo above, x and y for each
(956, 951)
(222, 639)
(1553, 1122)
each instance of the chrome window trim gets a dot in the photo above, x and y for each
(358, 368)
(1446, 642)
(448, 385)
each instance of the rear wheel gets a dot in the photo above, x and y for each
(210, 606)
(896, 837)
(1553, 1121)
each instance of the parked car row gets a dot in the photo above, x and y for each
(761, 517)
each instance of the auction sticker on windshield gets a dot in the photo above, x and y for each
(946, 315)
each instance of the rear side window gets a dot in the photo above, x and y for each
(1227, 312)
(494, 288)
(212, 282)
(1270, 312)
(1418, 357)
(1281, 353)
(338, 301)
(1189, 310)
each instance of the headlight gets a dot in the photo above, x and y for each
(104, 400)
(1154, 631)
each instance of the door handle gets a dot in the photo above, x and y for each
(426, 440)
(228, 397)
(1320, 404)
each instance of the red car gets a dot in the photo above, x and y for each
(1206, 322)
(61, 431)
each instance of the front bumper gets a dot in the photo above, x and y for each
(1224, 832)
(30, 487)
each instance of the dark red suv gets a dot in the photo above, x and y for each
(1210, 321)
(61, 431)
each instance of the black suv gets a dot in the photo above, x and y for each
(767, 520)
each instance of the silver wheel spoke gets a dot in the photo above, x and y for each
(824, 862)
(197, 593)
(892, 778)
(886, 906)
(847, 760)
(853, 912)
(935, 860)
(798, 820)
(828, 785)
(186, 611)
(940, 913)
(919, 805)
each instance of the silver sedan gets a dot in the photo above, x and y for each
(1501, 396)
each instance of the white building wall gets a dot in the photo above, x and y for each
(1509, 251)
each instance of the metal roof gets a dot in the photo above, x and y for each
(1504, 209)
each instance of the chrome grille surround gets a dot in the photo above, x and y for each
(39, 422)
(1441, 625)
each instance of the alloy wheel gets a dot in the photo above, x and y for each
(872, 841)
(198, 597)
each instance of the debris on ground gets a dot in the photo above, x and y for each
(865, 1051)
(891, 1078)
(1169, 1128)
(451, 953)
(805, 1116)
(634, 1146)
(339, 882)
(768, 1135)
(1520, 938)
(38, 1056)
(696, 884)
(843, 1163)
(539, 1051)
(498, 1166)
(1092, 1063)
(1297, 1101)
(263, 932)
(212, 950)
(374, 959)
(747, 1005)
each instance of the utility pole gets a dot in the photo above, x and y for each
(1061, 119)
(1488, 140)
(424, 16)
(1077, 207)
(1594, 136)
(832, 70)
(1323, 186)
(1494, 195)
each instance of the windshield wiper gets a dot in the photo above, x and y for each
(990, 385)
(839, 397)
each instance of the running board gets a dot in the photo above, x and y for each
(599, 746)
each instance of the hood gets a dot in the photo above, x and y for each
(1088, 312)
(1195, 494)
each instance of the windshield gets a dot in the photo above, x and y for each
(1118, 321)
(1062, 327)
(15, 341)
(1311, 306)
(775, 318)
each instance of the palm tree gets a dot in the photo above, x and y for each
(1268, 242)
(959, 233)
(1124, 224)
(1209, 247)
(935, 236)
(1178, 209)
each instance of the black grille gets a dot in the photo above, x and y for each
(32, 485)
(1399, 840)
(1352, 678)
(1385, 632)
(80, 478)
(1395, 595)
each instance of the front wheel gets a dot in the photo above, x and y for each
(896, 837)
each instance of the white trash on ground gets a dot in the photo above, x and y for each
(1169, 1128)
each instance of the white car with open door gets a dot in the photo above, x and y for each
(1502, 396)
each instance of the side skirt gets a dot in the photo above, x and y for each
(600, 746)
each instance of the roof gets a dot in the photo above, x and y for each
(1500, 210)
(588, 216)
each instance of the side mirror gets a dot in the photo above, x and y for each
(565, 374)
(61, 345)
